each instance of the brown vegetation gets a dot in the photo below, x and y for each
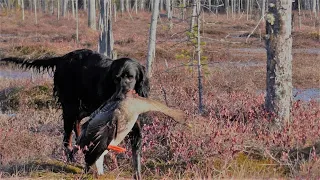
(231, 140)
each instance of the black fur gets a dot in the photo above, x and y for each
(83, 80)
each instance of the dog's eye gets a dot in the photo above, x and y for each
(128, 76)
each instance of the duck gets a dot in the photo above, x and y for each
(111, 123)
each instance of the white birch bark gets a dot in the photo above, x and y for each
(77, 21)
(22, 7)
(106, 34)
(152, 37)
(35, 11)
(193, 16)
(279, 60)
(92, 14)
(58, 9)
(200, 87)
(64, 7)
(142, 2)
(169, 13)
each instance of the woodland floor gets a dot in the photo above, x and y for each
(221, 142)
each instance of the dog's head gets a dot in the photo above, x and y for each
(128, 74)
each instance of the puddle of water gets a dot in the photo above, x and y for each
(307, 94)
(22, 74)
(238, 64)
(262, 50)
(303, 94)
(15, 75)
(7, 35)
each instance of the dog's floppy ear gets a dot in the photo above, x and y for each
(142, 86)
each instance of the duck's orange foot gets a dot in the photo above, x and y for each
(116, 149)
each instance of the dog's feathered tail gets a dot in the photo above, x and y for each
(41, 65)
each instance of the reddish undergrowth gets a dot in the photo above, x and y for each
(232, 139)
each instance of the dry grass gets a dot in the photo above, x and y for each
(217, 146)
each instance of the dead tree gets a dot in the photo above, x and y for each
(106, 35)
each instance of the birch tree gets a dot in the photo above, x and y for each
(35, 11)
(227, 7)
(84, 5)
(64, 7)
(279, 60)
(52, 7)
(263, 9)
(198, 51)
(92, 14)
(77, 21)
(127, 6)
(314, 9)
(299, 13)
(122, 6)
(169, 13)
(193, 16)
(73, 10)
(142, 2)
(58, 9)
(106, 35)
(152, 37)
(136, 6)
(22, 7)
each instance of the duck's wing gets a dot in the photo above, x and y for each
(100, 137)
(97, 119)
(97, 133)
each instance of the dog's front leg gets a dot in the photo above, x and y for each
(136, 140)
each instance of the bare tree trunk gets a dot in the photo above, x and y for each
(115, 11)
(44, 6)
(106, 34)
(52, 7)
(248, 7)
(92, 14)
(314, 9)
(227, 7)
(122, 6)
(169, 13)
(72, 7)
(22, 7)
(183, 9)
(136, 6)
(299, 12)
(161, 5)
(58, 9)
(35, 11)
(199, 57)
(194, 15)
(64, 7)
(77, 19)
(279, 60)
(152, 37)
(84, 5)
(142, 4)
(151, 5)
(263, 9)
(127, 6)
(232, 8)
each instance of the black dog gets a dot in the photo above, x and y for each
(83, 80)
